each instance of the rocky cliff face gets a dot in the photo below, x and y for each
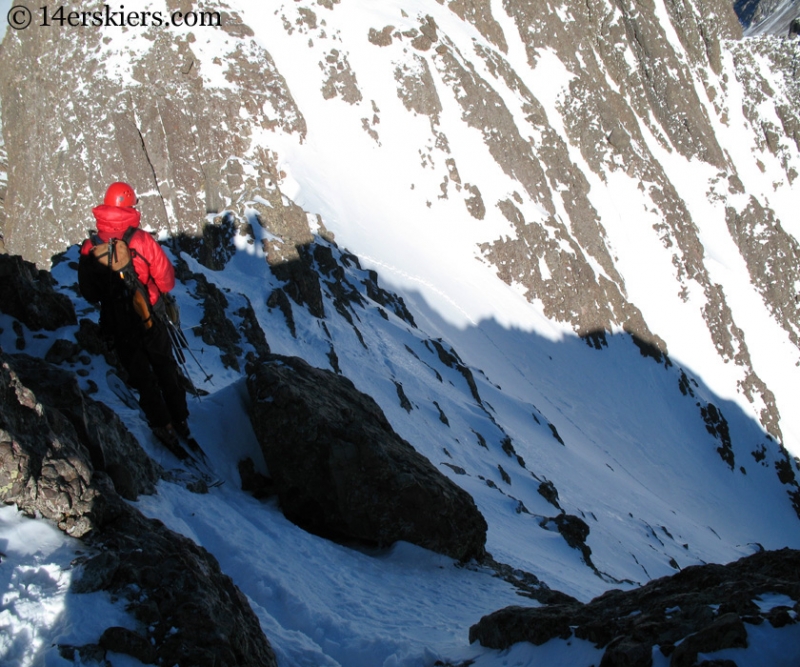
(149, 114)
(586, 114)
(3, 180)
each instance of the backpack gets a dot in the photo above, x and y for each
(106, 275)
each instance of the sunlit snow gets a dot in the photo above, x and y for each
(635, 461)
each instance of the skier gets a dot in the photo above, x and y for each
(143, 349)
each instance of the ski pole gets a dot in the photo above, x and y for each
(192, 354)
(177, 344)
(180, 358)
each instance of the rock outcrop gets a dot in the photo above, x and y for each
(44, 469)
(52, 396)
(703, 608)
(69, 459)
(27, 294)
(3, 186)
(341, 471)
(191, 613)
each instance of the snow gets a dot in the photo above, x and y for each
(631, 465)
(636, 462)
(778, 21)
(35, 603)
(5, 6)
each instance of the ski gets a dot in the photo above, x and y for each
(196, 474)
(187, 476)
(199, 462)
(189, 479)
(187, 450)
(123, 392)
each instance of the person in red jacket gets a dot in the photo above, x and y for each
(146, 354)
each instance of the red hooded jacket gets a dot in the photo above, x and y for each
(149, 261)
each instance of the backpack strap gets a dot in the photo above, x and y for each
(127, 236)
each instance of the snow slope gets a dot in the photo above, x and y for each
(597, 158)
(778, 20)
(620, 436)
(636, 464)
(382, 193)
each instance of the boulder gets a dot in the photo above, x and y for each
(342, 472)
(726, 631)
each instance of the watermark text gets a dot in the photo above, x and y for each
(20, 17)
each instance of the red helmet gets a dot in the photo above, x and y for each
(120, 194)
